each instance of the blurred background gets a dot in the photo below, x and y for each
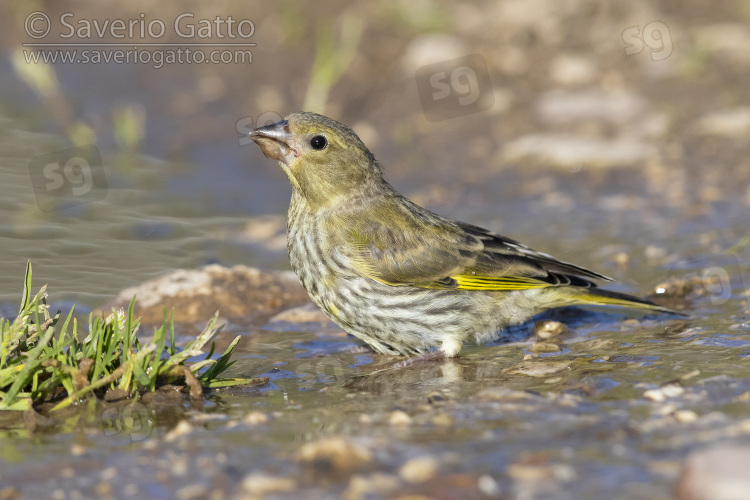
(613, 134)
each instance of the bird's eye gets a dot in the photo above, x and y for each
(318, 142)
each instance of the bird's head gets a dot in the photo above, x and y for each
(324, 159)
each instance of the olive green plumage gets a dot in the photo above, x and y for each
(394, 274)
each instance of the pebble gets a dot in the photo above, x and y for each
(573, 69)
(399, 417)
(663, 393)
(338, 452)
(549, 329)
(544, 347)
(108, 474)
(539, 369)
(729, 123)
(685, 416)
(183, 428)
(419, 470)
(77, 450)
(261, 484)
(504, 394)
(256, 418)
(443, 420)
(191, 492)
(539, 472)
(365, 486)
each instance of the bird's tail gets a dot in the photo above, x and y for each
(597, 296)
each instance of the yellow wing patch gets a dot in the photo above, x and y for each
(503, 283)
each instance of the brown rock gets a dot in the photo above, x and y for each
(197, 294)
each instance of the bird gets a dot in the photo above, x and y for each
(407, 281)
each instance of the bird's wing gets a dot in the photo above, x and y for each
(418, 248)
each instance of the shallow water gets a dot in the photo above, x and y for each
(612, 414)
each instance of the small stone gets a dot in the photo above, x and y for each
(336, 452)
(538, 368)
(685, 416)
(191, 492)
(261, 484)
(673, 390)
(655, 255)
(364, 418)
(540, 472)
(730, 123)
(573, 69)
(362, 487)
(503, 394)
(488, 486)
(654, 395)
(544, 347)
(77, 450)
(443, 420)
(622, 260)
(419, 470)
(665, 410)
(399, 417)
(256, 418)
(108, 474)
(663, 393)
(528, 472)
(549, 329)
(183, 428)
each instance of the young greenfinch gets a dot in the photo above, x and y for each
(401, 278)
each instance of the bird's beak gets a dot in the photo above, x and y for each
(276, 141)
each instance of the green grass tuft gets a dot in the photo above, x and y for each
(41, 361)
